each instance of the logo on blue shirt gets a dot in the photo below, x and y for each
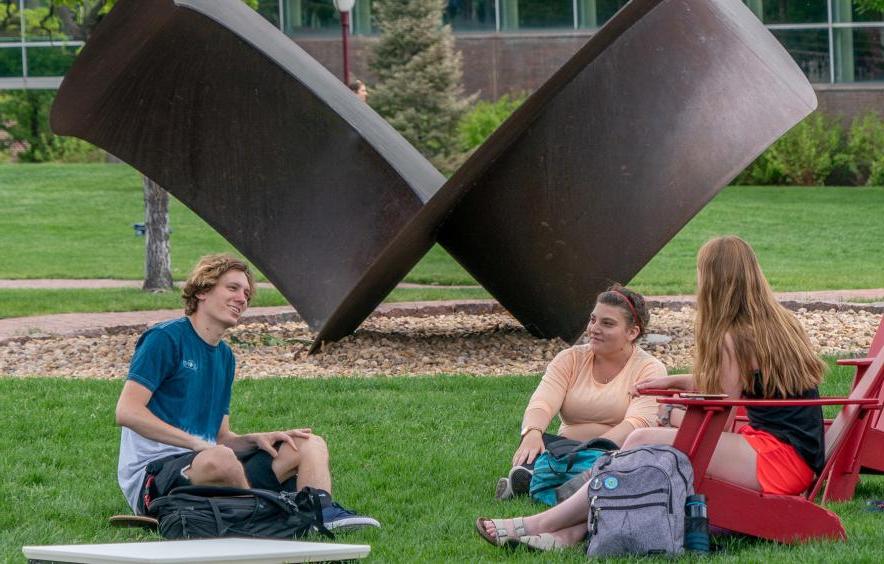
(189, 364)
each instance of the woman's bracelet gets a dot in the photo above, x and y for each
(526, 430)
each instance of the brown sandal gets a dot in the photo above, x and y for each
(503, 536)
(544, 542)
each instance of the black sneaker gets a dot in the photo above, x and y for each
(520, 479)
(338, 519)
(517, 482)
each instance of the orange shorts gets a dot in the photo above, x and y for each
(780, 469)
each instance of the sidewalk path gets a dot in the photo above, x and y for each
(99, 323)
(89, 283)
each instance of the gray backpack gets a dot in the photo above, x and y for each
(636, 501)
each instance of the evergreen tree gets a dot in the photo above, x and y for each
(419, 75)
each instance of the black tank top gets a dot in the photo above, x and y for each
(800, 427)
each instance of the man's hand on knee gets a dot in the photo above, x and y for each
(268, 441)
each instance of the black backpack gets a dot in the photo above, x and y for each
(196, 512)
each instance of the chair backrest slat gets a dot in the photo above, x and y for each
(865, 388)
(878, 339)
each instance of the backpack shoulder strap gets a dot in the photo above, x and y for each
(225, 491)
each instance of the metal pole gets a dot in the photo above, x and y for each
(831, 44)
(345, 32)
(24, 40)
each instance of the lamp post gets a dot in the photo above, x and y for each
(344, 7)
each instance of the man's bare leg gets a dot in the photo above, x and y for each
(310, 462)
(217, 466)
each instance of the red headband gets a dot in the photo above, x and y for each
(635, 317)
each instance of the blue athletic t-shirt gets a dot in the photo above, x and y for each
(191, 382)
(190, 379)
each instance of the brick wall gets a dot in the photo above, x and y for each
(850, 100)
(497, 64)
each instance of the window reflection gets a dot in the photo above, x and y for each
(10, 63)
(592, 14)
(50, 61)
(470, 15)
(810, 49)
(516, 14)
(859, 55)
(844, 11)
(790, 11)
(310, 17)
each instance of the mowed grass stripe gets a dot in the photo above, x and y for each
(75, 221)
(25, 302)
(420, 453)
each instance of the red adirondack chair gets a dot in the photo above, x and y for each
(869, 457)
(781, 518)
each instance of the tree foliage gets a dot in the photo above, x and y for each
(869, 5)
(419, 76)
(820, 150)
(24, 114)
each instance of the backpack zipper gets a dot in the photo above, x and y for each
(668, 492)
(621, 454)
(628, 507)
(661, 490)
(595, 511)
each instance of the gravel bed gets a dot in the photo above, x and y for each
(460, 343)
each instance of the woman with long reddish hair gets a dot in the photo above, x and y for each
(750, 346)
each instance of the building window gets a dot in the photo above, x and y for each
(309, 17)
(809, 48)
(533, 14)
(471, 15)
(859, 54)
(790, 11)
(844, 11)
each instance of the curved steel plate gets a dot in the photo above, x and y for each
(233, 118)
(610, 158)
(583, 185)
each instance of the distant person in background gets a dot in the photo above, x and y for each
(358, 88)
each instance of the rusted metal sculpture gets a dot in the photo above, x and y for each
(616, 152)
(257, 138)
(582, 185)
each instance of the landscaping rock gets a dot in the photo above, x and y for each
(484, 344)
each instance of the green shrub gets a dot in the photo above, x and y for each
(876, 172)
(865, 146)
(809, 153)
(24, 117)
(819, 151)
(481, 121)
(763, 171)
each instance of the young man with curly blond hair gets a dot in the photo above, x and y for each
(174, 408)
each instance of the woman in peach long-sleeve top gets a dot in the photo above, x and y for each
(588, 386)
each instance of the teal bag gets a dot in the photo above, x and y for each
(563, 460)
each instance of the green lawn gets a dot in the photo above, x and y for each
(421, 454)
(25, 302)
(75, 221)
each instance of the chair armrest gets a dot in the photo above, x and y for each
(866, 403)
(662, 392)
(855, 361)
